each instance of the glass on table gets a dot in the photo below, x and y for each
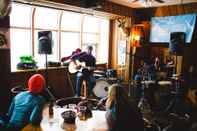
(72, 106)
(82, 112)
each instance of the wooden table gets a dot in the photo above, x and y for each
(96, 123)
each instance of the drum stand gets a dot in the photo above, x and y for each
(143, 103)
(177, 95)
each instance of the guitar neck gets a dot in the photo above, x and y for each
(89, 68)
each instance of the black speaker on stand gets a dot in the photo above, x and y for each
(176, 46)
(45, 47)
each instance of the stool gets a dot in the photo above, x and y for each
(84, 89)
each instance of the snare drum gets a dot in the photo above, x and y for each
(101, 88)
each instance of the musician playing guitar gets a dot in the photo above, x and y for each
(85, 70)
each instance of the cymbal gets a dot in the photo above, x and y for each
(112, 78)
(164, 82)
(148, 82)
(175, 76)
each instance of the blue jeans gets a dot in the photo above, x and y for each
(90, 81)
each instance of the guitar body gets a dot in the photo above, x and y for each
(72, 68)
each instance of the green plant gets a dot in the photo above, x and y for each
(27, 59)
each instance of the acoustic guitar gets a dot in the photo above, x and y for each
(72, 68)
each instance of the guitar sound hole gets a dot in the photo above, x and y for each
(106, 89)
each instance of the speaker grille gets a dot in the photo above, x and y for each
(44, 42)
(177, 41)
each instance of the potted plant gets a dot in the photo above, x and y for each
(27, 62)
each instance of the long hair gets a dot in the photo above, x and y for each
(111, 96)
(127, 114)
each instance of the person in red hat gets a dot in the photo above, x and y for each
(26, 107)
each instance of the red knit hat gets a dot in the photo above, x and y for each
(36, 84)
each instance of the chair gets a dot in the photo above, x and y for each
(17, 89)
(69, 100)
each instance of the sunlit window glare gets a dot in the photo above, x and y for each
(69, 31)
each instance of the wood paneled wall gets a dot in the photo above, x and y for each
(147, 13)
(5, 22)
(4, 79)
(108, 7)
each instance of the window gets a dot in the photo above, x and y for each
(90, 34)
(20, 32)
(20, 16)
(91, 24)
(103, 48)
(69, 31)
(49, 23)
(96, 33)
(46, 18)
(121, 41)
(121, 52)
(70, 42)
(71, 21)
(21, 45)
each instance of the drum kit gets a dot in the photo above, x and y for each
(103, 81)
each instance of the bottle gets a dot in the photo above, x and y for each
(51, 109)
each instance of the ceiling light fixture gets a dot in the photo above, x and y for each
(147, 3)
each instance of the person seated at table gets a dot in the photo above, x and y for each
(146, 70)
(121, 112)
(26, 107)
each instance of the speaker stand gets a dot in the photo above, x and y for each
(132, 71)
(52, 98)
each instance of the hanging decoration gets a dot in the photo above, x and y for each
(5, 7)
(124, 23)
(2, 40)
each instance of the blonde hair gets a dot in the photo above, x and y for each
(111, 96)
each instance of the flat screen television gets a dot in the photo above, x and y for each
(162, 27)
